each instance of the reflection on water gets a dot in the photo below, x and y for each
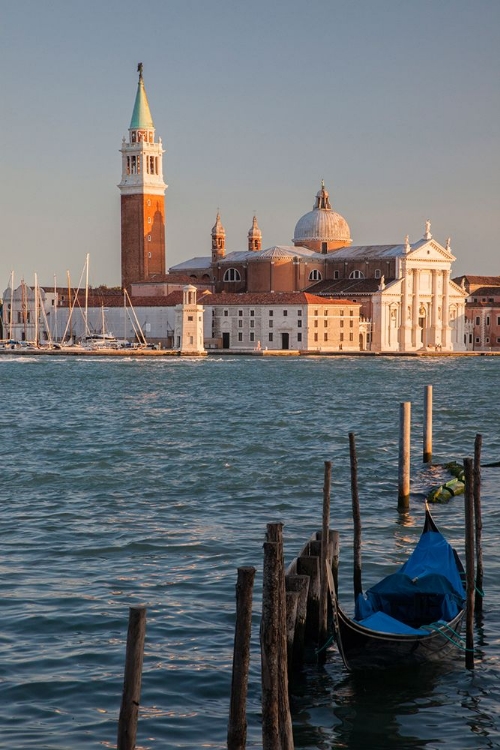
(128, 482)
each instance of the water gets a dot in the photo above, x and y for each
(150, 481)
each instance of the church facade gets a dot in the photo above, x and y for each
(405, 290)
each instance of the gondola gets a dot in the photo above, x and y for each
(410, 617)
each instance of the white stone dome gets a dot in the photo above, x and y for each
(322, 224)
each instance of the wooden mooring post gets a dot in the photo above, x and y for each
(276, 719)
(469, 563)
(404, 456)
(356, 516)
(297, 585)
(427, 452)
(479, 524)
(324, 557)
(237, 725)
(129, 711)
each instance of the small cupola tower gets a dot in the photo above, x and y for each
(142, 196)
(254, 236)
(188, 332)
(218, 240)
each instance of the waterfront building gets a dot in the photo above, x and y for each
(25, 313)
(295, 321)
(482, 311)
(404, 289)
(142, 196)
(189, 337)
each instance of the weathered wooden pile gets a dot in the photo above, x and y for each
(295, 602)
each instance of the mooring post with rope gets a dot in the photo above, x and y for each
(479, 524)
(469, 564)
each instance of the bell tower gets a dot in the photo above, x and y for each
(142, 196)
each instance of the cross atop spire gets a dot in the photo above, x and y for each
(141, 116)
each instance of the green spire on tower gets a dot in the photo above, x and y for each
(141, 116)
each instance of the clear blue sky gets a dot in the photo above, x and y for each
(395, 103)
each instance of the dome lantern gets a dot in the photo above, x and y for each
(322, 229)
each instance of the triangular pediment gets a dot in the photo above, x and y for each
(431, 250)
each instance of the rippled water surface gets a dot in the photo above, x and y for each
(150, 481)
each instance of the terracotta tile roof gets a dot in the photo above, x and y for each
(168, 278)
(483, 291)
(473, 283)
(350, 287)
(267, 298)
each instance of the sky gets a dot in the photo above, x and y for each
(394, 103)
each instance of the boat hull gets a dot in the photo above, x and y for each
(362, 648)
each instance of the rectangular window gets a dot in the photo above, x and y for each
(252, 313)
(498, 320)
(325, 337)
(341, 336)
(240, 336)
(351, 324)
(351, 312)
(285, 313)
(271, 313)
(270, 324)
(299, 337)
(299, 324)
(335, 274)
(341, 323)
(478, 340)
(270, 335)
(487, 339)
(252, 336)
(478, 321)
(252, 324)
(341, 312)
(351, 337)
(190, 317)
(377, 273)
(315, 336)
(226, 313)
(240, 313)
(316, 312)
(299, 313)
(315, 323)
(325, 312)
(240, 324)
(325, 323)
(487, 320)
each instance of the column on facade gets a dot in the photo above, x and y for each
(415, 328)
(435, 339)
(446, 334)
(405, 324)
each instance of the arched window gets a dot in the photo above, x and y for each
(232, 274)
(315, 275)
(356, 275)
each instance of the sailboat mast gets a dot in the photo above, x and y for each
(54, 335)
(24, 309)
(11, 303)
(124, 316)
(87, 297)
(70, 307)
(36, 310)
